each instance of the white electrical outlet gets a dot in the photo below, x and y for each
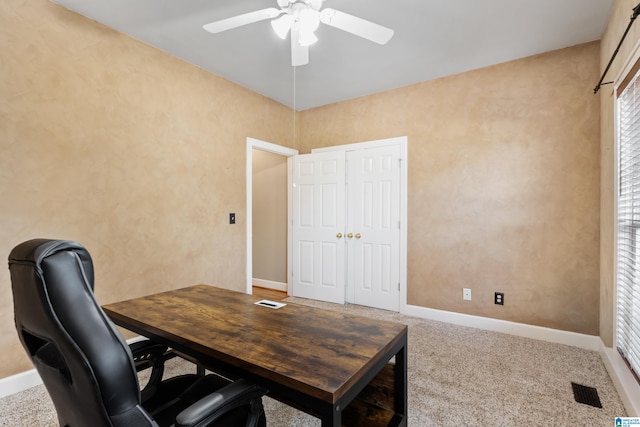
(466, 294)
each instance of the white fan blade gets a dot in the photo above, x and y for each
(354, 25)
(299, 54)
(240, 20)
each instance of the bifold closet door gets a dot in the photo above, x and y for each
(346, 227)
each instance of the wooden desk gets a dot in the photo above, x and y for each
(315, 360)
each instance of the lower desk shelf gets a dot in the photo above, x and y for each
(373, 407)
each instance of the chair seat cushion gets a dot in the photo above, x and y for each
(174, 395)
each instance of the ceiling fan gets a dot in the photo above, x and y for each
(302, 18)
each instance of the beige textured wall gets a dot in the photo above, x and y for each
(124, 148)
(618, 21)
(140, 156)
(269, 205)
(503, 184)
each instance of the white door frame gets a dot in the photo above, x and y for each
(271, 148)
(402, 142)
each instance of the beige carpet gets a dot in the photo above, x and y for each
(458, 376)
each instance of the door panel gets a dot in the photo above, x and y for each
(318, 219)
(305, 264)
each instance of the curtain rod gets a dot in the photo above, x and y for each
(634, 15)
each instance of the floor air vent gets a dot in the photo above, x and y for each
(586, 395)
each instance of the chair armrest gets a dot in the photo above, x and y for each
(220, 402)
(148, 354)
(145, 352)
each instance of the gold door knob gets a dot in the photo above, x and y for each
(358, 235)
(350, 235)
(339, 235)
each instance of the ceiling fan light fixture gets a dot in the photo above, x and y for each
(301, 18)
(309, 21)
(282, 25)
(307, 38)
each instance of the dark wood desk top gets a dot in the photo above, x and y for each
(320, 353)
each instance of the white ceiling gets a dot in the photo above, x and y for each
(433, 38)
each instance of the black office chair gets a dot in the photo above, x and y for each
(85, 363)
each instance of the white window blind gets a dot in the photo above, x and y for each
(628, 271)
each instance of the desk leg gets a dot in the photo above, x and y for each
(401, 380)
(333, 418)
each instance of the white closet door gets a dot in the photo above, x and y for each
(318, 200)
(373, 227)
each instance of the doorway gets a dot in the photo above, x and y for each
(262, 147)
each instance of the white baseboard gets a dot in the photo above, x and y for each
(589, 342)
(24, 380)
(269, 284)
(625, 383)
(19, 382)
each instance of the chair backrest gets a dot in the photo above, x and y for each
(83, 360)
